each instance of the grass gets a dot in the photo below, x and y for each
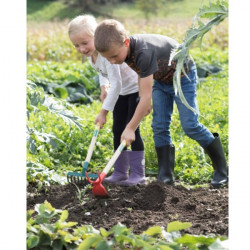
(40, 10)
(171, 10)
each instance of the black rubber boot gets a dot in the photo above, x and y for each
(216, 153)
(166, 163)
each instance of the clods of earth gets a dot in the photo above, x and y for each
(140, 207)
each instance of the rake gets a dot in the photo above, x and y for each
(80, 178)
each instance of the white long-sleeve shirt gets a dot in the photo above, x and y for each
(122, 79)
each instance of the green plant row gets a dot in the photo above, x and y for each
(74, 81)
(47, 228)
(59, 134)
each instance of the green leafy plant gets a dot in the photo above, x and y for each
(75, 82)
(47, 228)
(37, 103)
(217, 12)
(71, 146)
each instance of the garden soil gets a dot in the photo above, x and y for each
(140, 207)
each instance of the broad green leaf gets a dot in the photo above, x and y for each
(140, 243)
(57, 244)
(86, 230)
(70, 238)
(64, 215)
(192, 239)
(70, 224)
(29, 214)
(177, 226)
(103, 245)
(48, 228)
(61, 92)
(218, 244)
(153, 231)
(32, 241)
(119, 229)
(104, 232)
(125, 238)
(164, 247)
(44, 240)
(33, 229)
(89, 242)
(48, 206)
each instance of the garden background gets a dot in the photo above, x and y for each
(14, 117)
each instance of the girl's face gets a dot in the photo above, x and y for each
(83, 42)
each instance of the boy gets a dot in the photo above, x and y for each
(148, 55)
(121, 99)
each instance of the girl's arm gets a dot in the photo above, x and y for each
(115, 80)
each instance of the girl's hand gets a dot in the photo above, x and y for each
(101, 118)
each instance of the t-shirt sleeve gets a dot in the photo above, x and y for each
(146, 61)
(115, 80)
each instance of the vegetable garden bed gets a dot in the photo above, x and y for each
(140, 207)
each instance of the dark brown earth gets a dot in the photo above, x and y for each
(140, 207)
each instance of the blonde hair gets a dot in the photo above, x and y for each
(109, 32)
(82, 22)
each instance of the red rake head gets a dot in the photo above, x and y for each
(98, 188)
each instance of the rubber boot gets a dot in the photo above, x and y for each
(137, 169)
(216, 153)
(120, 169)
(166, 163)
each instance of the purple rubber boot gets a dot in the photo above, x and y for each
(120, 170)
(137, 169)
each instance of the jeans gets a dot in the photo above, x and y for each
(163, 100)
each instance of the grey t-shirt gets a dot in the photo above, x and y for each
(149, 54)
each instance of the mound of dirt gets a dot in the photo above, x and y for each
(140, 207)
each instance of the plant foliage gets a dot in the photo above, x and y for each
(216, 13)
(47, 228)
(74, 82)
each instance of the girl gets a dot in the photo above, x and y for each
(121, 99)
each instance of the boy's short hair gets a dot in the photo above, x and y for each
(108, 33)
(86, 23)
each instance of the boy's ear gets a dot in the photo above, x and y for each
(127, 42)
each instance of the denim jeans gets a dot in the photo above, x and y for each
(163, 100)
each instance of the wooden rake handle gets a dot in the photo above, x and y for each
(92, 144)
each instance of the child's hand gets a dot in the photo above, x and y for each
(128, 135)
(103, 94)
(101, 118)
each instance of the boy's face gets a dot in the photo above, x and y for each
(117, 54)
(83, 42)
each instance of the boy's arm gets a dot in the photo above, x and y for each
(143, 108)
